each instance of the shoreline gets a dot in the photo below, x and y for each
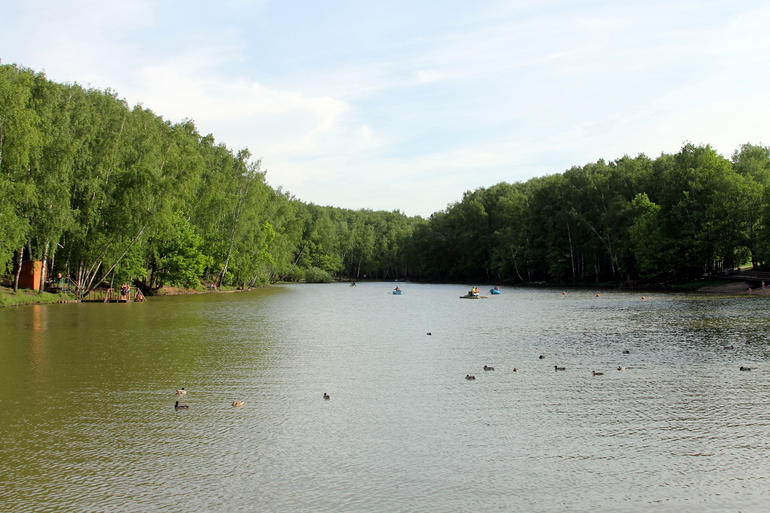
(8, 298)
(736, 288)
(26, 297)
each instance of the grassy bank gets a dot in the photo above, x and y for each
(29, 297)
(205, 288)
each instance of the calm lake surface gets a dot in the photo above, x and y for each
(87, 418)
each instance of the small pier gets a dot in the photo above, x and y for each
(113, 296)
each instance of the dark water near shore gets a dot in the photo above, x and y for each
(87, 422)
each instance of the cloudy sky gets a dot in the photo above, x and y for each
(405, 105)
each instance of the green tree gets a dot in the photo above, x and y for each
(177, 258)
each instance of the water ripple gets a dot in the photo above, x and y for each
(87, 421)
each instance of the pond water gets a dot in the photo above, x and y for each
(88, 424)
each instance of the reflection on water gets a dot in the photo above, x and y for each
(87, 421)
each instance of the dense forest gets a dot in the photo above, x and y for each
(106, 193)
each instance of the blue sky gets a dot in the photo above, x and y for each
(406, 105)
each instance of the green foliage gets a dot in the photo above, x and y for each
(177, 258)
(132, 267)
(316, 275)
(676, 217)
(295, 275)
(649, 243)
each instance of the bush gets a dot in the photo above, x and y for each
(295, 275)
(316, 275)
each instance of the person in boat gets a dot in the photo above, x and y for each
(496, 288)
(474, 291)
(397, 289)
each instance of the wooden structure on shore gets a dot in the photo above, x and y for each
(31, 272)
(113, 296)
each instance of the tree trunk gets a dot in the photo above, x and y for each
(44, 270)
(516, 266)
(18, 269)
(571, 252)
(296, 260)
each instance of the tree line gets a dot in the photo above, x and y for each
(107, 193)
(673, 218)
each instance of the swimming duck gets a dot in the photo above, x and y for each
(180, 406)
(469, 377)
(745, 368)
(541, 356)
(488, 368)
(556, 367)
(626, 351)
(327, 396)
(515, 369)
(597, 373)
(622, 368)
(237, 403)
(181, 391)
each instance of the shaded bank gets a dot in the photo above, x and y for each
(736, 288)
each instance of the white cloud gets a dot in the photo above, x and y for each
(286, 121)
(423, 76)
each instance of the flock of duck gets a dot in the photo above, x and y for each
(182, 392)
(236, 404)
(555, 367)
(593, 372)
